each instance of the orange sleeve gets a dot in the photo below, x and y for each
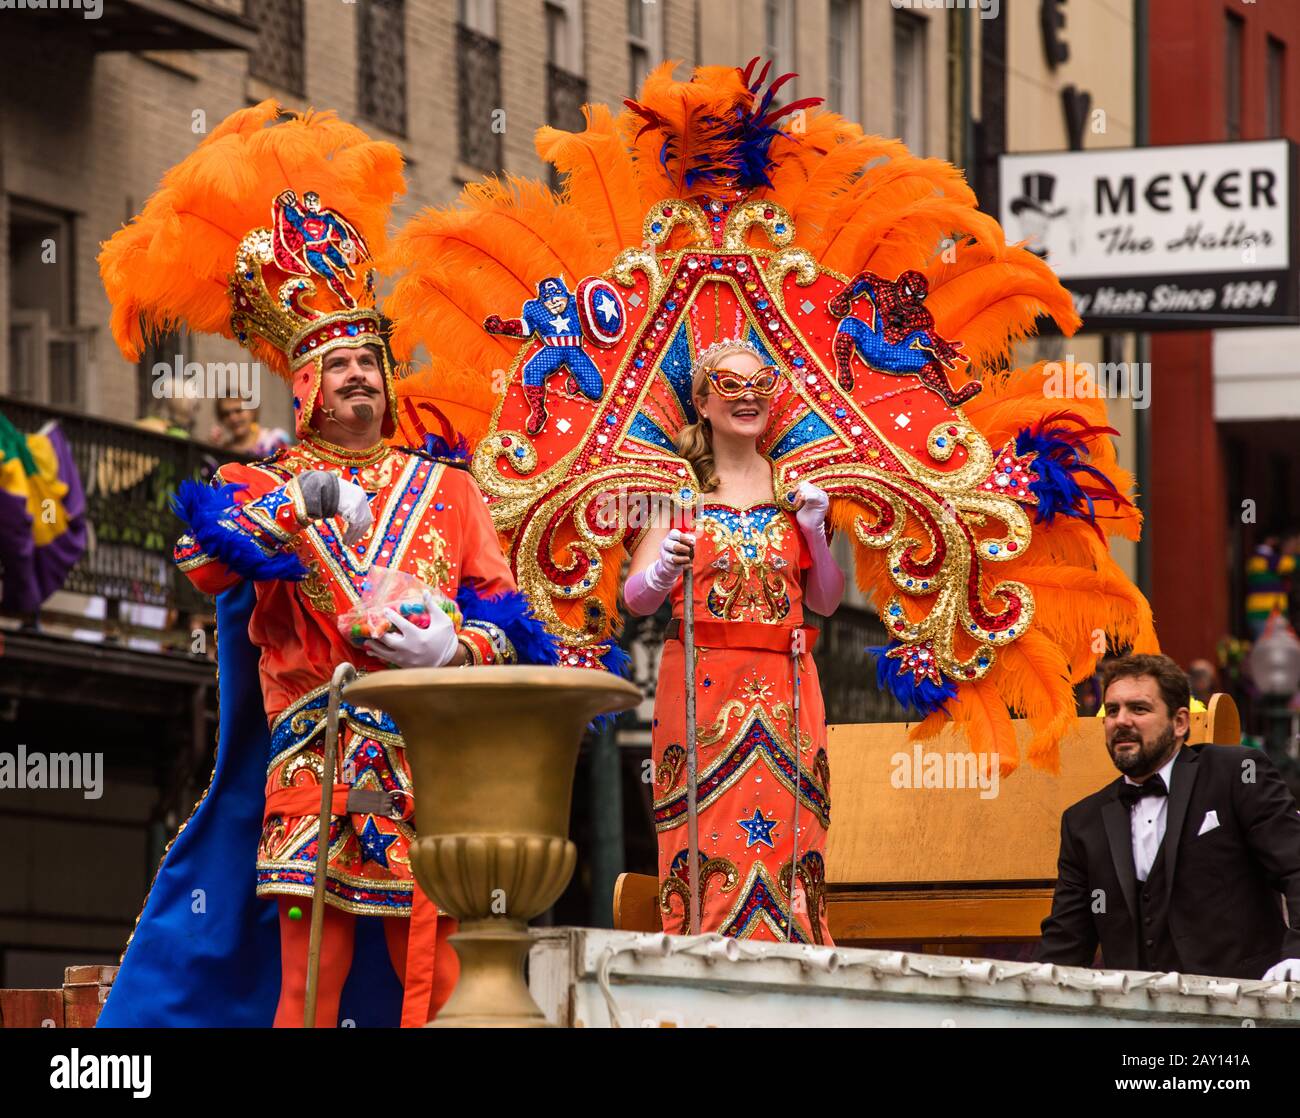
(240, 527)
(482, 561)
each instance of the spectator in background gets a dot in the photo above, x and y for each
(1203, 679)
(237, 429)
(175, 417)
(1268, 580)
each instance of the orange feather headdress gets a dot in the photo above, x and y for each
(979, 511)
(262, 234)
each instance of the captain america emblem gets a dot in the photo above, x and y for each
(601, 311)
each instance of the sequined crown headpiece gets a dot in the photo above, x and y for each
(298, 284)
(202, 255)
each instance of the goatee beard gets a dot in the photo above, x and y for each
(1148, 758)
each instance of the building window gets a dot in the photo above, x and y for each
(1233, 75)
(564, 35)
(159, 349)
(47, 352)
(478, 86)
(778, 40)
(1276, 87)
(645, 41)
(909, 80)
(277, 58)
(845, 58)
(381, 57)
(566, 88)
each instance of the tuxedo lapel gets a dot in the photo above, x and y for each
(1181, 779)
(1119, 834)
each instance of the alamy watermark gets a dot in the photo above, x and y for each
(213, 380)
(988, 9)
(53, 770)
(947, 771)
(1106, 380)
(89, 9)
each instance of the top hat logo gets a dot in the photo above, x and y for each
(1036, 192)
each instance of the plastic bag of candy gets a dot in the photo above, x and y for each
(385, 589)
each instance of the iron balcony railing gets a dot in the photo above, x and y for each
(129, 475)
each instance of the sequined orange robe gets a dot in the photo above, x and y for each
(429, 520)
(748, 604)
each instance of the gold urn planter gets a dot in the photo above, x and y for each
(492, 754)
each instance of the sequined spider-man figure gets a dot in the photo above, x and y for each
(895, 334)
(553, 318)
(310, 240)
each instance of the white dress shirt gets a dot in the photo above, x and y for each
(1147, 819)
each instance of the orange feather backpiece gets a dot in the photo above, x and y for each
(706, 210)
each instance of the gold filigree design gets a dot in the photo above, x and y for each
(674, 886)
(784, 712)
(316, 590)
(669, 214)
(774, 220)
(745, 581)
(434, 570)
(733, 708)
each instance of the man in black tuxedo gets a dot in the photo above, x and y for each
(1177, 865)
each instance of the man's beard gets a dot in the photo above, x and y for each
(352, 414)
(1149, 755)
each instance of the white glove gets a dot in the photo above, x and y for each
(354, 508)
(675, 554)
(413, 647)
(1288, 970)
(814, 504)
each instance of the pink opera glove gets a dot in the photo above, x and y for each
(646, 590)
(825, 585)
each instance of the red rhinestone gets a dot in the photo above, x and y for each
(769, 214)
(898, 625)
(506, 440)
(668, 211)
(952, 430)
(1013, 546)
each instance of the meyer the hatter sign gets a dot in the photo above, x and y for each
(1185, 237)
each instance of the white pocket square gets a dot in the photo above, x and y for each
(1210, 822)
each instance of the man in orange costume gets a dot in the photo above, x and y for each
(309, 528)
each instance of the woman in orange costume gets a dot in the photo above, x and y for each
(755, 564)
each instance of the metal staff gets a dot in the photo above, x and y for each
(344, 674)
(796, 647)
(692, 755)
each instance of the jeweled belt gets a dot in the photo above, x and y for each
(743, 634)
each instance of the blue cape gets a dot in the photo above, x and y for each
(206, 949)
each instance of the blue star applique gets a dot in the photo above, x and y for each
(375, 844)
(273, 501)
(758, 829)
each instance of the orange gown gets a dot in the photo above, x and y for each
(748, 606)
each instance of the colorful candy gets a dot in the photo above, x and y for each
(386, 589)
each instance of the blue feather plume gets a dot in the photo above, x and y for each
(1062, 470)
(203, 508)
(511, 613)
(438, 447)
(925, 696)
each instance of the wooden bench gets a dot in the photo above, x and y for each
(936, 869)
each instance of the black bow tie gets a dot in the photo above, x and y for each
(1131, 793)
